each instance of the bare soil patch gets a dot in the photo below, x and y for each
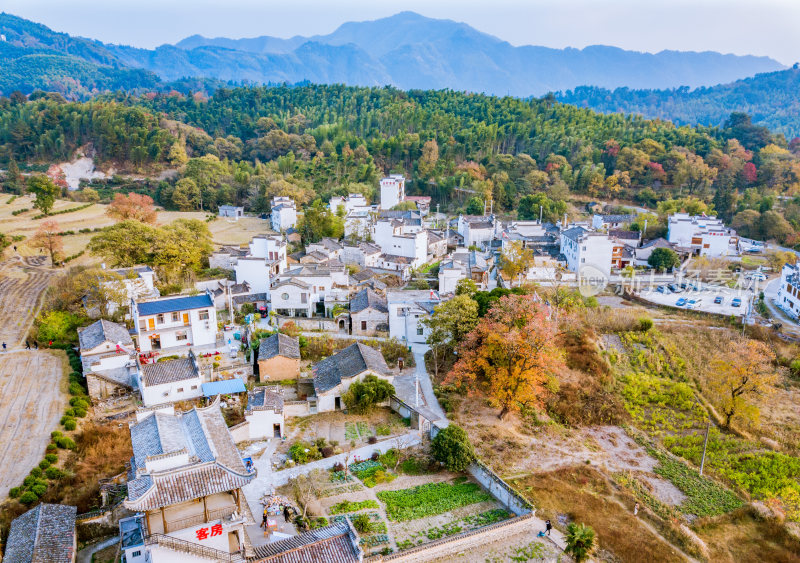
(32, 399)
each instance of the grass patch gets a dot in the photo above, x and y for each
(430, 499)
(347, 506)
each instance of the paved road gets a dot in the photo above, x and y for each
(85, 555)
(770, 294)
(425, 380)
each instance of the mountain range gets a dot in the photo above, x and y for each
(410, 51)
(406, 50)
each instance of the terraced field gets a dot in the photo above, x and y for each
(22, 281)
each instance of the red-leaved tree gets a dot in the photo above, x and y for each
(511, 355)
(138, 207)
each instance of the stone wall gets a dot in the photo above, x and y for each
(311, 323)
(295, 408)
(501, 490)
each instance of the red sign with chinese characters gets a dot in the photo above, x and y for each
(203, 533)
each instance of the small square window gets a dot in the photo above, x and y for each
(419, 331)
(136, 553)
(194, 387)
(180, 389)
(175, 317)
(159, 318)
(203, 315)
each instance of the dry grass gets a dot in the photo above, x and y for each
(584, 495)
(741, 537)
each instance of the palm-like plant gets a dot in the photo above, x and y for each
(580, 541)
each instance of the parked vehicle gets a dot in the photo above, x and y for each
(662, 289)
(736, 302)
(680, 302)
(718, 300)
(673, 288)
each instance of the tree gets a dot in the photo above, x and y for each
(13, 180)
(449, 324)
(475, 206)
(47, 238)
(365, 394)
(306, 487)
(45, 191)
(58, 326)
(318, 222)
(133, 206)
(186, 195)
(663, 259)
(580, 541)
(177, 154)
(103, 290)
(511, 355)
(515, 259)
(739, 376)
(466, 286)
(452, 447)
(126, 244)
(430, 156)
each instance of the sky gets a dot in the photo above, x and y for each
(756, 27)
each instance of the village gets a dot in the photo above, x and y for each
(242, 395)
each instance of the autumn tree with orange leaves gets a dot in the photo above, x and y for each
(47, 238)
(138, 207)
(511, 355)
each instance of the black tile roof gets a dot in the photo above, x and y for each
(367, 298)
(353, 360)
(169, 371)
(102, 331)
(279, 345)
(44, 534)
(332, 544)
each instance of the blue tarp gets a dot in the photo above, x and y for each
(224, 387)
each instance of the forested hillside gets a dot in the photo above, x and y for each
(772, 99)
(248, 144)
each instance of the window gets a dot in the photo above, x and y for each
(175, 317)
(419, 331)
(181, 335)
(363, 325)
(194, 387)
(180, 389)
(203, 315)
(583, 260)
(159, 318)
(303, 298)
(136, 553)
(285, 296)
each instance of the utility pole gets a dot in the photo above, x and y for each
(705, 445)
(540, 214)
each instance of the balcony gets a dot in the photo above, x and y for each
(213, 516)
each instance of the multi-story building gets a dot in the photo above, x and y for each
(265, 259)
(407, 309)
(403, 237)
(582, 248)
(331, 248)
(186, 482)
(706, 236)
(364, 254)
(283, 215)
(393, 191)
(175, 322)
(462, 264)
(348, 204)
(788, 297)
(476, 230)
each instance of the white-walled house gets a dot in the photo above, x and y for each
(265, 260)
(476, 230)
(263, 415)
(333, 376)
(393, 190)
(788, 297)
(582, 248)
(402, 237)
(350, 203)
(407, 309)
(170, 381)
(293, 298)
(364, 254)
(283, 213)
(608, 221)
(175, 322)
(231, 211)
(108, 358)
(327, 246)
(706, 236)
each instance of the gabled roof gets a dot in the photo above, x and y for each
(214, 465)
(574, 233)
(103, 331)
(125, 272)
(353, 360)
(365, 299)
(262, 398)
(617, 218)
(44, 534)
(279, 345)
(332, 544)
(169, 371)
(659, 242)
(364, 274)
(623, 234)
(174, 304)
(290, 281)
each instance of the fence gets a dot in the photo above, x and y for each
(192, 548)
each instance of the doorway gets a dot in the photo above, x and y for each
(337, 403)
(276, 430)
(155, 342)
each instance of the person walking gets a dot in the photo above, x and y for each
(27, 345)
(636, 509)
(4, 345)
(547, 527)
(35, 344)
(264, 519)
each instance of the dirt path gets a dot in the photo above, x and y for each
(32, 400)
(22, 282)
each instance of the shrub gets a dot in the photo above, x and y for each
(79, 402)
(56, 433)
(327, 451)
(70, 424)
(383, 430)
(39, 489)
(65, 443)
(52, 447)
(44, 464)
(362, 523)
(14, 492)
(75, 388)
(372, 440)
(28, 481)
(28, 497)
(36, 472)
(452, 447)
(375, 456)
(363, 395)
(52, 458)
(319, 522)
(338, 466)
(79, 412)
(303, 452)
(53, 473)
(69, 413)
(645, 324)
